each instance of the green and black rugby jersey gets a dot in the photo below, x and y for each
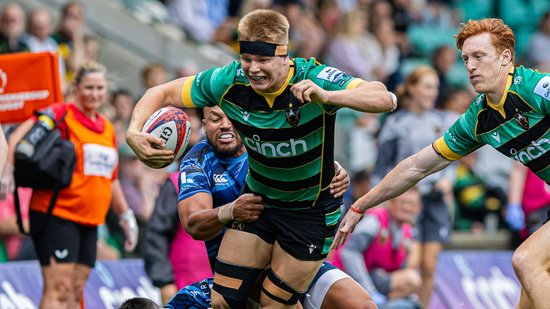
(291, 166)
(518, 127)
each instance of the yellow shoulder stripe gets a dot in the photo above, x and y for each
(354, 83)
(186, 92)
(442, 149)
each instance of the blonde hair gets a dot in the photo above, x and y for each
(264, 26)
(412, 79)
(86, 68)
(502, 37)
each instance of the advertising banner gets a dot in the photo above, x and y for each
(28, 82)
(464, 280)
(109, 285)
(475, 280)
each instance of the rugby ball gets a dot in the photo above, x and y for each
(171, 125)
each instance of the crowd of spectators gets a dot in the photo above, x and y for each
(381, 40)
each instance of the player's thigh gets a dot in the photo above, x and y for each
(536, 248)
(347, 293)
(332, 288)
(296, 273)
(244, 249)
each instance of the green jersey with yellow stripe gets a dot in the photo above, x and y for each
(290, 145)
(518, 127)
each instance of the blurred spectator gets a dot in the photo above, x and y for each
(384, 50)
(122, 101)
(201, 20)
(457, 101)
(16, 246)
(66, 261)
(187, 69)
(478, 205)
(40, 37)
(359, 186)
(537, 49)
(403, 134)
(495, 173)
(70, 37)
(307, 38)
(363, 144)
(404, 14)
(347, 50)
(382, 254)
(153, 75)
(12, 27)
(437, 14)
(92, 47)
(443, 59)
(173, 259)
(528, 201)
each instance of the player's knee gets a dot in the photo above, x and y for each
(233, 284)
(413, 281)
(278, 290)
(59, 290)
(520, 261)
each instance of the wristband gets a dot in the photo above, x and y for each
(393, 101)
(225, 213)
(357, 210)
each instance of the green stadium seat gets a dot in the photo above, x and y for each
(474, 9)
(425, 39)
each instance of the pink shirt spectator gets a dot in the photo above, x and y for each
(7, 212)
(536, 193)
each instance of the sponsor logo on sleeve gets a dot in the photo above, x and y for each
(543, 88)
(332, 75)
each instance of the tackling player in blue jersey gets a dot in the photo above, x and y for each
(211, 177)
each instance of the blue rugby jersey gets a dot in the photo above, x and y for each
(195, 296)
(201, 170)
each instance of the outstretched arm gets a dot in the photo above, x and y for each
(403, 177)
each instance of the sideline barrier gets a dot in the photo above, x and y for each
(464, 279)
(110, 284)
(475, 280)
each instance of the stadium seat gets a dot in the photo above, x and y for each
(425, 39)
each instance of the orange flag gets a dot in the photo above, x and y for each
(28, 82)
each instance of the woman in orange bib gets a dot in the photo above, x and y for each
(65, 242)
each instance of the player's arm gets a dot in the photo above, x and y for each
(155, 98)
(203, 222)
(403, 177)
(371, 97)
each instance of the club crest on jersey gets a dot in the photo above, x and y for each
(521, 120)
(293, 111)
